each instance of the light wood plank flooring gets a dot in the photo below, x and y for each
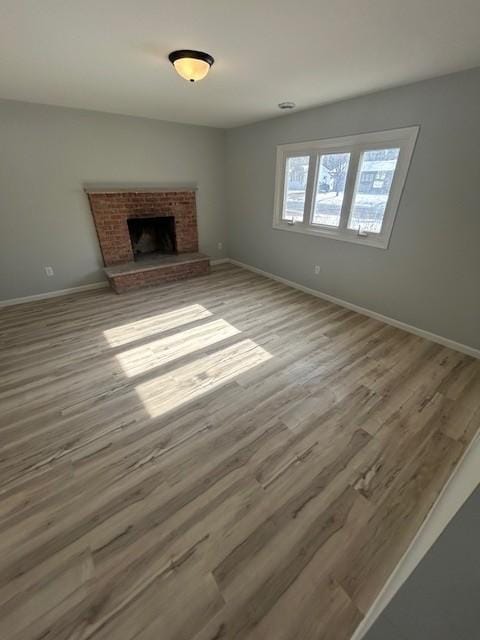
(219, 458)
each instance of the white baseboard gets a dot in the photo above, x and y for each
(53, 294)
(446, 342)
(84, 287)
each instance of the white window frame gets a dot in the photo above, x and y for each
(403, 139)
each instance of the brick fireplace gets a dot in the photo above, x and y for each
(147, 236)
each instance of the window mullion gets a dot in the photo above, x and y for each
(310, 189)
(349, 188)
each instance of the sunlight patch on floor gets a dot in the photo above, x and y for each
(190, 381)
(163, 350)
(125, 333)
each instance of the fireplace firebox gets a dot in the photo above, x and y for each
(152, 236)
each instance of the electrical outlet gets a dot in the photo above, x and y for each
(49, 271)
(220, 246)
(317, 269)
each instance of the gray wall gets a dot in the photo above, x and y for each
(430, 274)
(48, 153)
(428, 277)
(440, 600)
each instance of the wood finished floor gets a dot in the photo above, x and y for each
(219, 458)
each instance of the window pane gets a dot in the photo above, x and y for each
(374, 182)
(332, 175)
(296, 173)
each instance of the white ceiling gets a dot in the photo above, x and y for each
(111, 55)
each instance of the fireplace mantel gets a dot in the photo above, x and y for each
(112, 188)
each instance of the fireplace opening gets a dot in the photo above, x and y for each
(152, 236)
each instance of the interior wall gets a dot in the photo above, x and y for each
(440, 599)
(429, 276)
(47, 154)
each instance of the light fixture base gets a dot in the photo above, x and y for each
(190, 53)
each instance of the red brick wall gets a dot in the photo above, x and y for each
(112, 210)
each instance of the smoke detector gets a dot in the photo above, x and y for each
(286, 106)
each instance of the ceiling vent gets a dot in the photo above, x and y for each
(286, 106)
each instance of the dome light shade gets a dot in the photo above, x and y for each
(191, 65)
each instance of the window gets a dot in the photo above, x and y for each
(371, 195)
(344, 188)
(296, 173)
(332, 175)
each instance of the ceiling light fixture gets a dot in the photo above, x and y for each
(191, 65)
(285, 106)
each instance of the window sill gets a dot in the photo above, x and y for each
(369, 241)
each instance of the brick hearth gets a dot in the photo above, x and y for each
(112, 209)
(132, 275)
